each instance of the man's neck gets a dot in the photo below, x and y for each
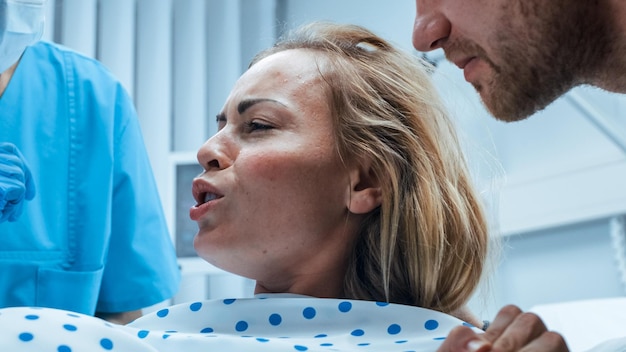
(5, 77)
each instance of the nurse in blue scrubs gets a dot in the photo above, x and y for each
(81, 223)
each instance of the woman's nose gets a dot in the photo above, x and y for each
(430, 30)
(215, 153)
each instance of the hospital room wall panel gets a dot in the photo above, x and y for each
(153, 86)
(189, 74)
(621, 107)
(560, 264)
(78, 25)
(223, 27)
(563, 264)
(259, 28)
(115, 46)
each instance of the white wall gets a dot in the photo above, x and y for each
(393, 19)
(567, 263)
(564, 264)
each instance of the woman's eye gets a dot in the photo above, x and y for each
(220, 119)
(252, 126)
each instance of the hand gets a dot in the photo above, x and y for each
(16, 182)
(511, 330)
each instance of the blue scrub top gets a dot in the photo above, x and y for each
(94, 238)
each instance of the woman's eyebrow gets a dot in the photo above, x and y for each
(247, 103)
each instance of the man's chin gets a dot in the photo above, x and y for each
(515, 102)
(506, 107)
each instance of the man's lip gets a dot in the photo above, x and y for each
(463, 62)
(471, 70)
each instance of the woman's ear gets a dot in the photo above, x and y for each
(364, 194)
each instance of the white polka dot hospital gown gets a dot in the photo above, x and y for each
(263, 323)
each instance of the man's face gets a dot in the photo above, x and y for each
(520, 55)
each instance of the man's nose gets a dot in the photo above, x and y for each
(430, 30)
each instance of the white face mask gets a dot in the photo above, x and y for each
(21, 24)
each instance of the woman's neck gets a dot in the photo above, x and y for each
(321, 284)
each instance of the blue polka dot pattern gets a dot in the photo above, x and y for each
(106, 344)
(263, 325)
(468, 325)
(241, 326)
(69, 327)
(26, 336)
(345, 307)
(309, 312)
(275, 319)
(195, 306)
(431, 324)
(394, 329)
(357, 332)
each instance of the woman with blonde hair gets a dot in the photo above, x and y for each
(426, 245)
(336, 182)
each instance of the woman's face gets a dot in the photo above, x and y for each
(272, 201)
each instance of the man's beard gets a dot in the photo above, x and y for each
(554, 48)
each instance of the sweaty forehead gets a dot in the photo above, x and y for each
(295, 70)
(290, 77)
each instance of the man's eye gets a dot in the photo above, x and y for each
(256, 126)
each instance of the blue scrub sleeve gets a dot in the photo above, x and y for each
(141, 261)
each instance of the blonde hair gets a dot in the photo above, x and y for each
(426, 245)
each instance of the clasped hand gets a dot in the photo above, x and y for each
(511, 331)
(16, 182)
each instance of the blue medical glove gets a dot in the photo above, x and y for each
(16, 182)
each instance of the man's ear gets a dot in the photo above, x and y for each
(365, 193)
